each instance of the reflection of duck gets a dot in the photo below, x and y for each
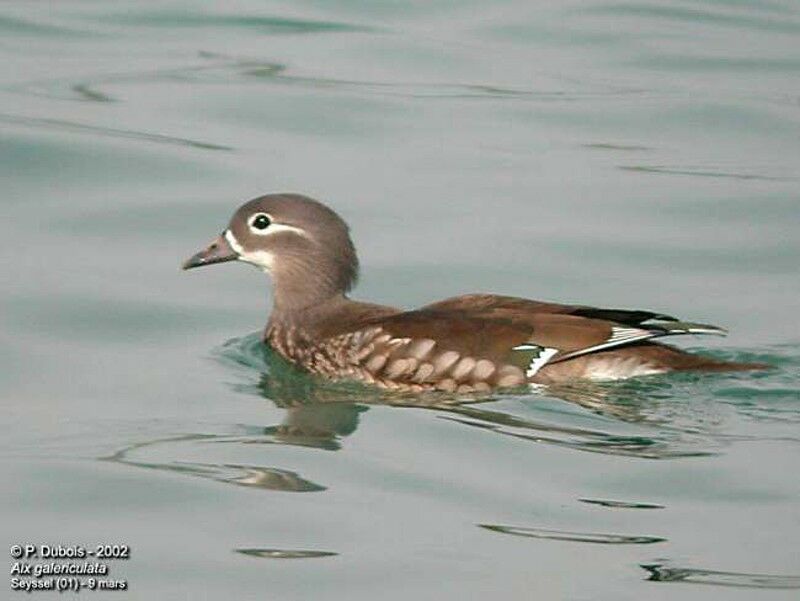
(320, 412)
(317, 425)
(469, 343)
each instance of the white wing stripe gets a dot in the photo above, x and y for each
(539, 360)
(621, 334)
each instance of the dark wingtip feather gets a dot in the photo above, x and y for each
(623, 316)
(671, 328)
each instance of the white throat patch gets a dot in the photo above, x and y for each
(259, 258)
(234, 243)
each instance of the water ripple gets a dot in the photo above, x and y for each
(694, 15)
(613, 146)
(659, 572)
(658, 446)
(87, 93)
(285, 553)
(223, 69)
(621, 504)
(72, 126)
(578, 537)
(251, 476)
(22, 27)
(701, 172)
(264, 24)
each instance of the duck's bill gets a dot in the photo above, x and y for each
(219, 251)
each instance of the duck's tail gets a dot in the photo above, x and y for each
(677, 359)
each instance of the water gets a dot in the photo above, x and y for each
(632, 154)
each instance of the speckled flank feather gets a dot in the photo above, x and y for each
(374, 356)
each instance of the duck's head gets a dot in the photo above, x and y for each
(301, 243)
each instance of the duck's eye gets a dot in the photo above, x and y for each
(260, 221)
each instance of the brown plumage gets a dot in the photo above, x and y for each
(467, 343)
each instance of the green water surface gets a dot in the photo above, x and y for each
(625, 154)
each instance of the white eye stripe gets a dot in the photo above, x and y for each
(276, 228)
(272, 228)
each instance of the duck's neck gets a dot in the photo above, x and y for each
(302, 293)
(291, 329)
(313, 280)
(305, 315)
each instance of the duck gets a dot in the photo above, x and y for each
(471, 343)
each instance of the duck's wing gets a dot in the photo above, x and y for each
(614, 334)
(447, 341)
(511, 307)
(497, 305)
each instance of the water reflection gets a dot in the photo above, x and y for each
(319, 426)
(320, 412)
